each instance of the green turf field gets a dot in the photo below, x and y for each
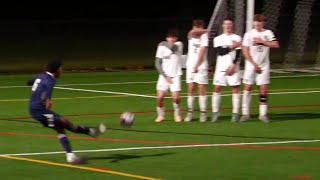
(286, 148)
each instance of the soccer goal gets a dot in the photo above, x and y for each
(295, 24)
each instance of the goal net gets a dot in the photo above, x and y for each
(295, 24)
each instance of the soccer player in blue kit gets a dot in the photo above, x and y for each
(40, 109)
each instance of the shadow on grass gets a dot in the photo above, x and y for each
(275, 118)
(115, 158)
(293, 116)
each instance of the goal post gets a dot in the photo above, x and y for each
(295, 24)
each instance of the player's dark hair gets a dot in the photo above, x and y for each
(228, 19)
(259, 18)
(53, 66)
(173, 33)
(198, 23)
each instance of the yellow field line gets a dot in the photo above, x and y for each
(114, 96)
(80, 167)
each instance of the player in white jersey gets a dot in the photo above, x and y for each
(227, 47)
(256, 46)
(197, 68)
(168, 64)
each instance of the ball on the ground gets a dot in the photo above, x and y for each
(126, 119)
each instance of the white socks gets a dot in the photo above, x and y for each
(235, 103)
(190, 103)
(176, 109)
(246, 99)
(203, 103)
(263, 109)
(160, 111)
(215, 102)
(71, 157)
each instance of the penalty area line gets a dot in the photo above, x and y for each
(105, 92)
(165, 147)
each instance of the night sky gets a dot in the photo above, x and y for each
(104, 9)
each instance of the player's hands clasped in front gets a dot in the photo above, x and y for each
(230, 70)
(169, 80)
(195, 69)
(257, 69)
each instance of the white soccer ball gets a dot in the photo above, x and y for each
(126, 119)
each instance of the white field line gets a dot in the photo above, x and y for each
(273, 93)
(145, 82)
(295, 76)
(106, 92)
(148, 96)
(164, 147)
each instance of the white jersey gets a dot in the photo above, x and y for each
(258, 52)
(194, 46)
(171, 61)
(224, 40)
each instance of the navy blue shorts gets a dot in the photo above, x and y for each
(47, 117)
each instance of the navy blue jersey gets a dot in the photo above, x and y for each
(41, 91)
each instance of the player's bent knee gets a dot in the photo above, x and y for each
(263, 98)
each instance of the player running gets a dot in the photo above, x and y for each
(256, 47)
(227, 47)
(40, 105)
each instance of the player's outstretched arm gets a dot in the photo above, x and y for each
(30, 82)
(196, 32)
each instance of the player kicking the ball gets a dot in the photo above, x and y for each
(168, 64)
(227, 47)
(40, 109)
(197, 69)
(256, 46)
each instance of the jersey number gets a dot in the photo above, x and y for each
(36, 84)
(260, 48)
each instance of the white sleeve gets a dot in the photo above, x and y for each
(271, 36)
(180, 47)
(215, 42)
(237, 39)
(246, 40)
(159, 53)
(204, 40)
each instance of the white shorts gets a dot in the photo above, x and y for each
(163, 85)
(221, 79)
(250, 76)
(201, 77)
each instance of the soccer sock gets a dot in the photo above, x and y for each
(203, 103)
(263, 109)
(246, 99)
(190, 103)
(176, 109)
(71, 157)
(65, 143)
(160, 111)
(215, 102)
(235, 102)
(80, 129)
